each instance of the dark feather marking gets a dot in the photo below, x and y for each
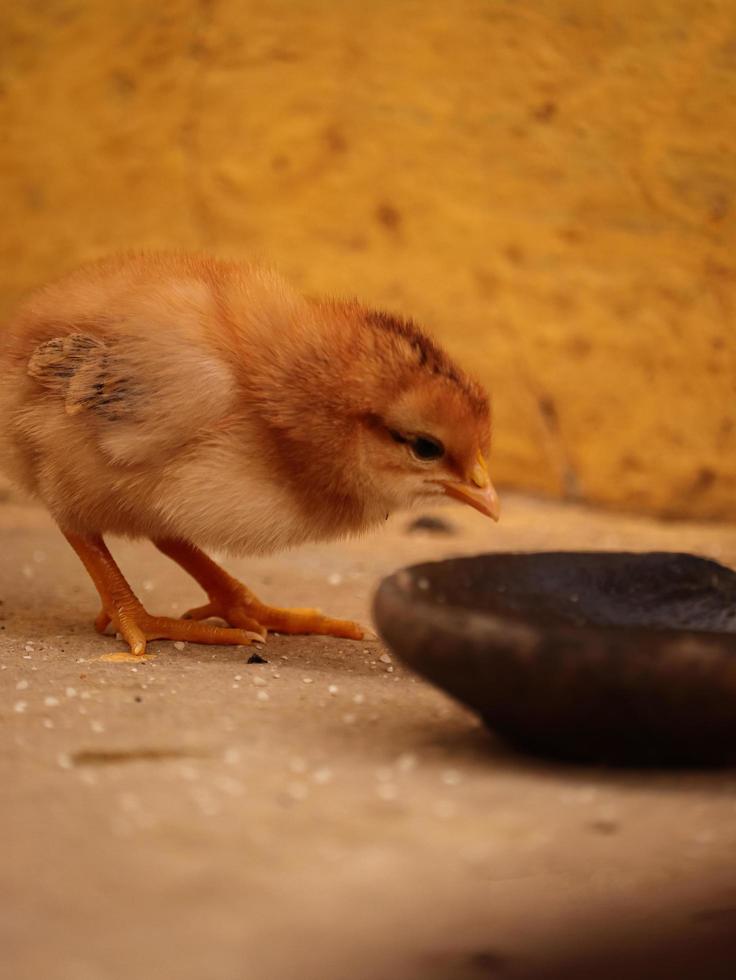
(58, 364)
(429, 355)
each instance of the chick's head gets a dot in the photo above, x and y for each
(431, 441)
(368, 415)
(427, 432)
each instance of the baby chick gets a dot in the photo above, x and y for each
(204, 403)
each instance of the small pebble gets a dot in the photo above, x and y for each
(430, 524)
(71, 692)
(263, 696)
(179, 645)
(322, 775)
(385, 658)
(21, 685)
(259, 681)
(20, 706)
(334, 579)
(307, 680)
(51, 702)
(359, 698)
(333, 689)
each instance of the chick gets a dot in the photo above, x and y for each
(206, 404)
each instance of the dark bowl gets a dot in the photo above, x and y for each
(596, 656)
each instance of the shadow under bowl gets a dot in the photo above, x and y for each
(593, 656)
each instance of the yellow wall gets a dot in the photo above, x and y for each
(547, 184)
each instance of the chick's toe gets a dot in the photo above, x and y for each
(234, 603)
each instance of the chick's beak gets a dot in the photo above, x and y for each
(477, 490)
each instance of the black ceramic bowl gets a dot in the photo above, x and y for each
(605, 656)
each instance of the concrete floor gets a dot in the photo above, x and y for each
(324, 815)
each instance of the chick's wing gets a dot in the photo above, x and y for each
(138, 396)
(86, 373)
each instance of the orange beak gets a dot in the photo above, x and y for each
(477, 490)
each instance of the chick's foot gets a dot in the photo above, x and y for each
(231, 601)
(138, 626)
(242, 609)
(121, 608)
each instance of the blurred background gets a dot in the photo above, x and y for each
(548, 185)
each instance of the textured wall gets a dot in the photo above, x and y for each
(549, 185)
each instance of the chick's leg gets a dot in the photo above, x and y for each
(121, 607)
(232, 601)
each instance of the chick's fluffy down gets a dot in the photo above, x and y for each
(185, 397)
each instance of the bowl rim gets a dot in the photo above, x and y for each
(560, 629)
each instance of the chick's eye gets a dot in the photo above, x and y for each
(424, 448)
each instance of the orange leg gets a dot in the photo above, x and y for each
(121, 608)
(232, 601)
